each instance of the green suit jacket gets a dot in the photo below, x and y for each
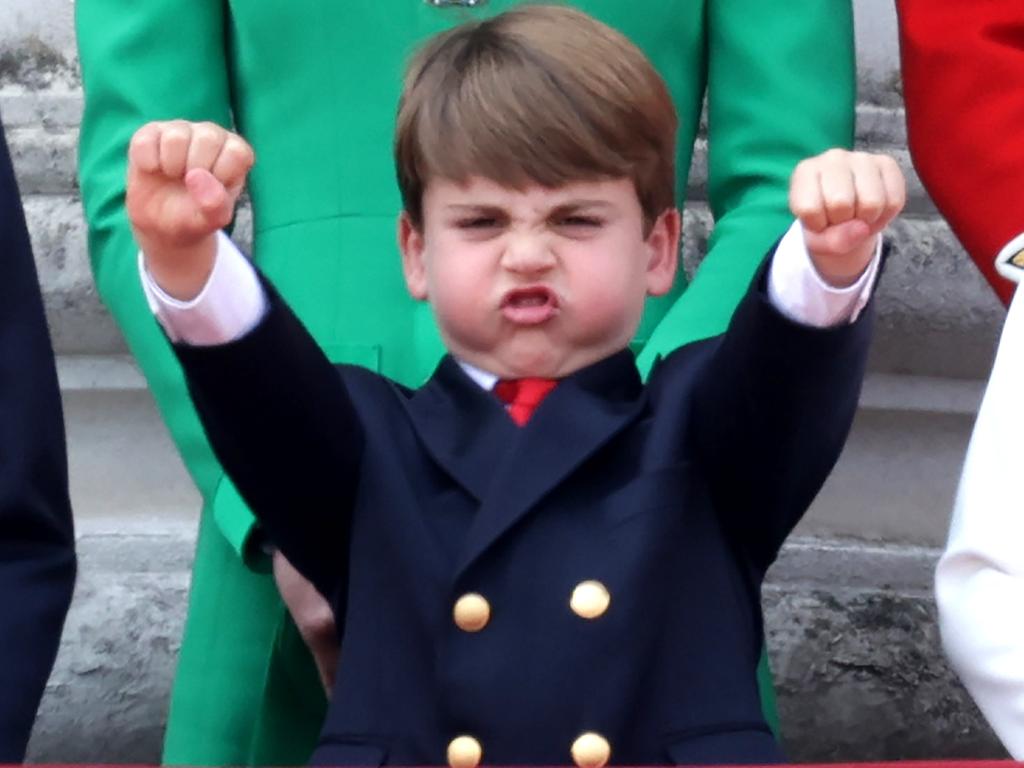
(313, 86)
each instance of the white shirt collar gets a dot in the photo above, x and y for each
(483, 378)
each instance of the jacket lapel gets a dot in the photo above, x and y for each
(583, 413)
(463, 427)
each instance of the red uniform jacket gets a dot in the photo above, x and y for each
(963, 76)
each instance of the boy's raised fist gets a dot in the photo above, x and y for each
(183, 181)
(844, 200)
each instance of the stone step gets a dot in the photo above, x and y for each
(79, 323)
(122, 464)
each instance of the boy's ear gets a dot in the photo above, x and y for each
(662, 246)
(411, 244)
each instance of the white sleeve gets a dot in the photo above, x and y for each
(797, 290)
(979, 582)
(230, 305)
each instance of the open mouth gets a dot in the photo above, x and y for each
(529, 306)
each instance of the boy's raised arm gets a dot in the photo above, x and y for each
(765, 115)
(775, 405)
(275, 409)
(123, 90)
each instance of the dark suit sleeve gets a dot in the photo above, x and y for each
(37, 557)
(280, 420)
(772, 411)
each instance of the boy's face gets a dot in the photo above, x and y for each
(539, 282)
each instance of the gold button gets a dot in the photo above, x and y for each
(464, 752)
(590, 599)
(591, 750)
(471, 612)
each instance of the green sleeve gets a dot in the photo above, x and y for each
(781, 87)
(166, 61)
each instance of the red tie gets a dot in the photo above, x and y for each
(523, 396)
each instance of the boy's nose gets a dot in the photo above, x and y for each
(527, 255)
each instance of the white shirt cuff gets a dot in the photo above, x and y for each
(230, 305)
(797, 290)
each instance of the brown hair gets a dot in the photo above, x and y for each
(540, 94)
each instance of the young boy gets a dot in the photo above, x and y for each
(534, 558)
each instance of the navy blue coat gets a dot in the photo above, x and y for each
(37, 558)
(676, 496)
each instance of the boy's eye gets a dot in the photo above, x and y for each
(477, 222)
(580, 221)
